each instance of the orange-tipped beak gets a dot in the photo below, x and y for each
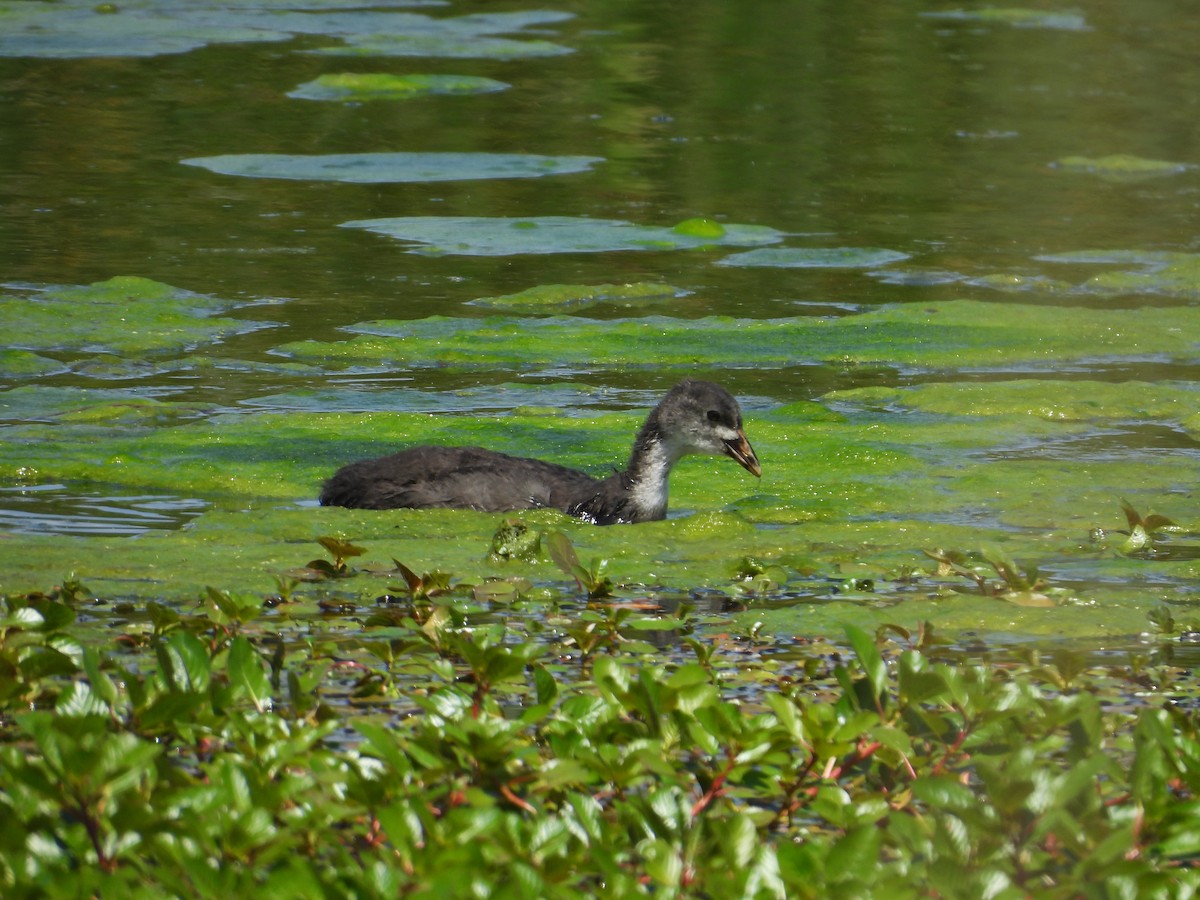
(740, 449)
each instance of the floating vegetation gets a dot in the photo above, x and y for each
(1051, 400)
(25, 364)
(555, 297)
(1017, 17)
(122, 315)
(380, 168)
(84, 28)
(1156, 272)
(1143, 531)
(815, 258)
(1120, 167)
(1001, 578)
(486, 236)
(449, 46)
(361, 86)
(1160, 272)
(459, 37)
(929, 335)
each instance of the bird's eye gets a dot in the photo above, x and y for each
(714, 416)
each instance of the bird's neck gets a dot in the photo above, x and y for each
(648, 476)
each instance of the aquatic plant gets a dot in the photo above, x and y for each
(213, 765)
(1142, 530)
(591, 579)
(1023, 588)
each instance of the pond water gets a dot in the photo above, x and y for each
(947, 256)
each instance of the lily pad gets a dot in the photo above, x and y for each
(1120, 166)
(68, 30)
(379, 168)
(361, 86)
(448, 46)
(123, 315)
(578, 296)
(1017, 17)
(816, 258)
(460, 37)
(84, 28)
(482, 236)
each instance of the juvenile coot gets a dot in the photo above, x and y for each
(694, 417)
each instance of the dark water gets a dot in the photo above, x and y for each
(847, 124)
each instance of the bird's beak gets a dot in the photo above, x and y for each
(739, 448)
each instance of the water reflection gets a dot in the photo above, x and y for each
(56, 509)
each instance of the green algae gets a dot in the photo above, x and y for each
(395, 168)
(1172, 274)
(701, 228)
(1118, 619)
(42, 403)
(361, 86)
(24, 364)
(815, 258)
(122, 315)
(933, 335)
(1019, 283)
(856, 492)
(488, 236)
(1154, 272)
(528, 399)
(580, 296)
(1066, 401)
(113, 368)
(1120, 166)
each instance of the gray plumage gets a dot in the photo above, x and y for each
(694, 417)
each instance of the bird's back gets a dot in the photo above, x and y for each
(455, 477)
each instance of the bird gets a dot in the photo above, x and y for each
(695, 417)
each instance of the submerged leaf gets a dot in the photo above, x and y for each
(500, 236)
(359, 86)
(816, 258)
(394, 168)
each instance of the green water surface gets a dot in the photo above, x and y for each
(947, 257)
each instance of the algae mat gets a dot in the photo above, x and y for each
(944, 335)
(984, 505)
(846, 500)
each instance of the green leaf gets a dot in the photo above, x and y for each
(102, 686)
(857, 854)
(740, 839)
(247, 671)
(870, 659)
(944, 792)
(79, 700)
(46, 662)
(183, 662)
(547, 686)
(662, 862)
(561, 550)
